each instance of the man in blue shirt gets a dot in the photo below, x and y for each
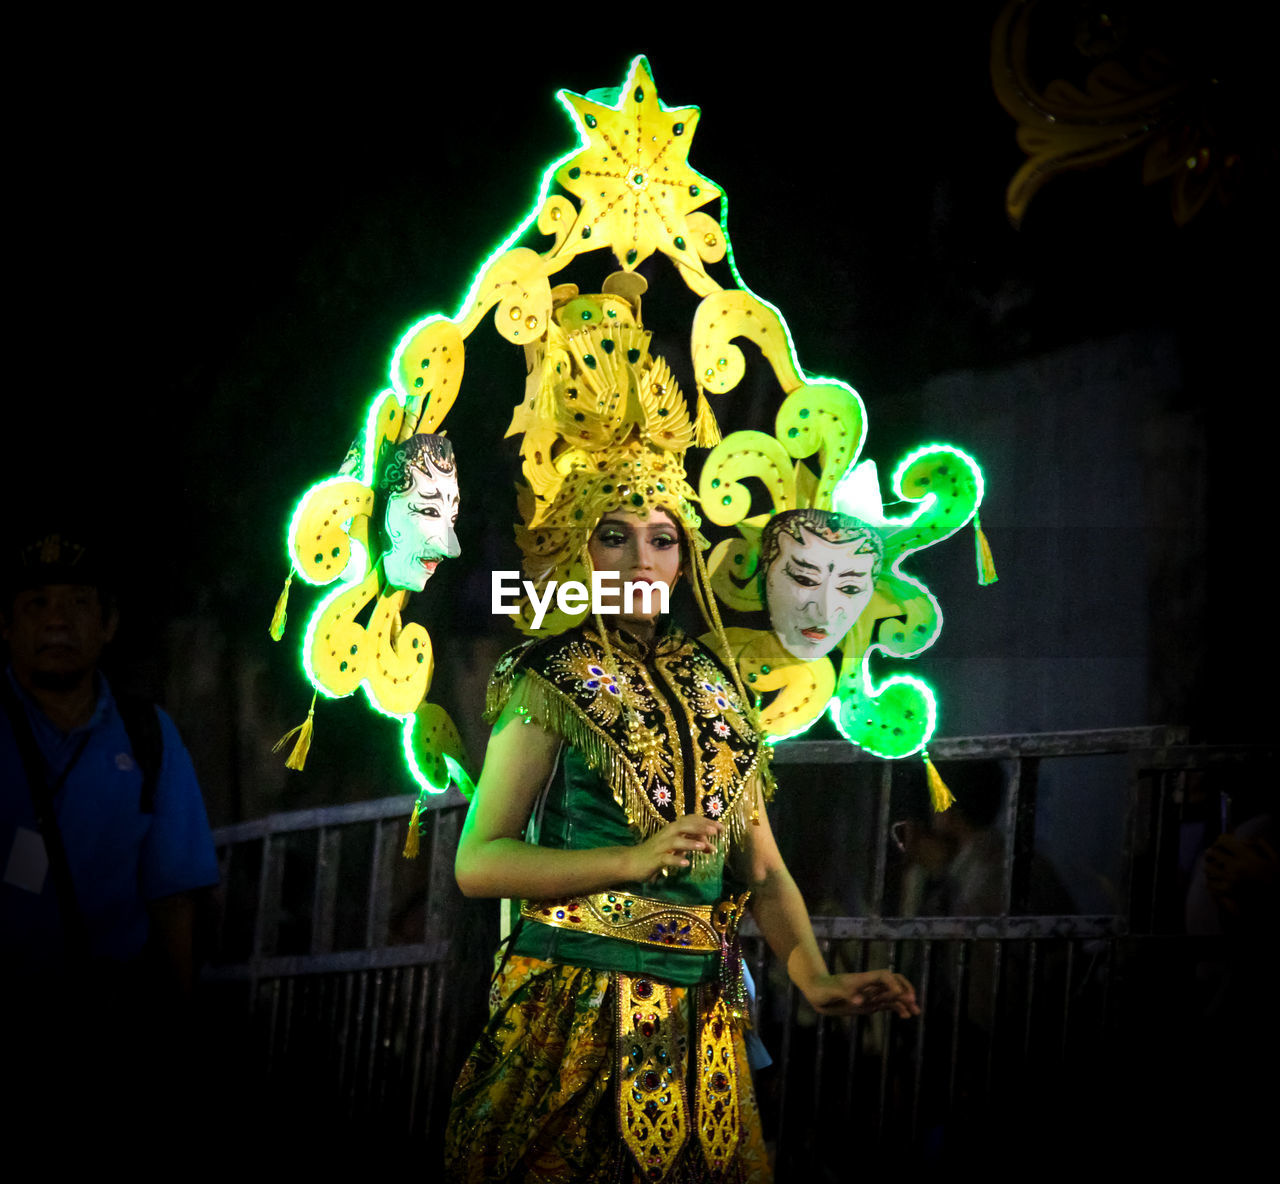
(102, 847)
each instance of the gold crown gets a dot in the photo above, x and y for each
(606, 428)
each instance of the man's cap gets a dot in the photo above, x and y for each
(54, 558)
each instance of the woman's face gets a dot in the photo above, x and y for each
(644, 550)
(816, 590)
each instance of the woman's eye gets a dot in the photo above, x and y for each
(803, 580)
(610, 538)
(663, 541)
(851, 589)
(424, 511)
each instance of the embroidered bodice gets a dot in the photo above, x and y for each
(664, 728)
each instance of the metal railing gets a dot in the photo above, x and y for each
(363, 974)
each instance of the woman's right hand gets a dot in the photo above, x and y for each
(670, 847)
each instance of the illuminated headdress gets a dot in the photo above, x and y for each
(606, 428)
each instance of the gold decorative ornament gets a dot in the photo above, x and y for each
(1178, 115)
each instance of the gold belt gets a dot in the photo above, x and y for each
(695, 929)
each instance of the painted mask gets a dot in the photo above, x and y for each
(419, 483)
(819, 570)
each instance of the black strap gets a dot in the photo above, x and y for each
(142, 726)
(43, 794)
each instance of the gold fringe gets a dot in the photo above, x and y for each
(411, 839)
(986, 563)
(706, 432)
(500, 686)
(562, 716)
(939, 794)
(281, 615)
(497, 693)
(298, 757)
(741, 816)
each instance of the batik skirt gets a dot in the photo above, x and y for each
(538, 1099)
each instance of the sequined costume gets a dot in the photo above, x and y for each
(583, 1071)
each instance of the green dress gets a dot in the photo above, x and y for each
(575, 1014)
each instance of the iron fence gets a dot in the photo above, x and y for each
(359, 976)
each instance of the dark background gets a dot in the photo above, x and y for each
(221, 232)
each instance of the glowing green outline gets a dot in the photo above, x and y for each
(369, 460)
(289, 533)
(809, 379)
(506, 245)
(915, 582)
(457, 774)
(870, 689)
(874, 692)
(544, 188)
(359, 553)
(314, 622)
(357, 563)
(368, 464)
(772, 739)
(929, 498)
(544, 191)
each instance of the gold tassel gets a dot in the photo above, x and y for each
(298, 757)
(939, 794)
(544, 401)
(986, 564)
(281, 616)
(411, 839)
(706, 432)
(700, 578)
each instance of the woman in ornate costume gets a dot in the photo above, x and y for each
(622, 805)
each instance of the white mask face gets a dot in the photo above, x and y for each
(419, 525)
(816, 591)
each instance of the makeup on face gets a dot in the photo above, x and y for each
(642, 549)
(816, 591)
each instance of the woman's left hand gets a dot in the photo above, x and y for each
(862, 994)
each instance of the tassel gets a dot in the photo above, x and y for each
(706, 432)
(986, 564)
(544, 401)
(411, 839)
(544, 405)
(939, 794)
(281, 616)
(298, 757)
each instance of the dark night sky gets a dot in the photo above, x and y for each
(220, 245)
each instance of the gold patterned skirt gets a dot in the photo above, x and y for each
(538, 1100)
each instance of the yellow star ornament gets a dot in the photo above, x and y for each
(634, 180)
